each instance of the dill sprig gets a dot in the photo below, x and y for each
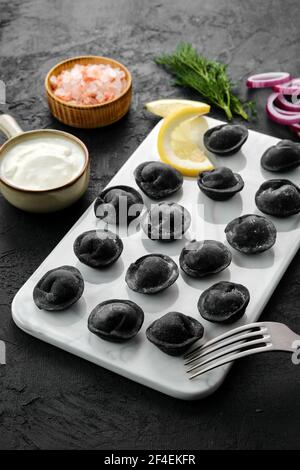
(207, 77)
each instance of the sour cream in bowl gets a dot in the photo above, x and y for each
(44, 170)
(42, 162)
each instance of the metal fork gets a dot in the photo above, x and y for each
(243, 341)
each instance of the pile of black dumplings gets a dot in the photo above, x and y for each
(120, 320)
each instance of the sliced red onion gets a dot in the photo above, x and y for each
(269, 79)
(287, 105)
(279, 115)
(285, 112)
(290, 88)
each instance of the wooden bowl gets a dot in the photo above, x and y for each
(88, 116)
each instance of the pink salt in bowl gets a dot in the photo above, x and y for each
(88, 116)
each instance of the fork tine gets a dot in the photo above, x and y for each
(231, 358)
(226, 342)
(236, 347)
(229, 333)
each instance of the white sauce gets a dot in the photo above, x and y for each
(42, 162)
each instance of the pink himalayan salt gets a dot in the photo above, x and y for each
(89, 84)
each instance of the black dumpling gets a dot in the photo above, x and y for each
(203, 258)
(174, 333)
(220, 184)
(151, 273)
(58, 289)
(116, 320)
(119, 205)
(158, 180)
(226, 139)
(224, 302)
(278, 197)
(98, 248)
(166, 221)
(281, 157)
(251, 233)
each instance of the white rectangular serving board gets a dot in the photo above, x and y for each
(138, 359)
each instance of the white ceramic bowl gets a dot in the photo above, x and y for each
(45, 200)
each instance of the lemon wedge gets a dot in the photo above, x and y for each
(180, 141)
(165, 107)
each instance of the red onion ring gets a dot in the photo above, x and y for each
(269, 79)
(287, 104)
(285, 112)
(290, 88)
(279, 115)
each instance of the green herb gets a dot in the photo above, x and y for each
(207, 77)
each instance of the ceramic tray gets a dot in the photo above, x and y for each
(138, 359)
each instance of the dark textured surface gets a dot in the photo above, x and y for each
(48, 398)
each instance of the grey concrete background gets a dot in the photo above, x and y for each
(48, 398)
